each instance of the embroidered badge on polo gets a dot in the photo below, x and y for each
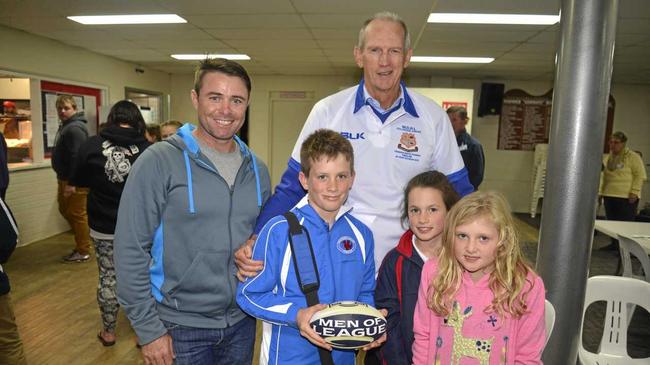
(407, 147)
(346, 245)
(408, 143)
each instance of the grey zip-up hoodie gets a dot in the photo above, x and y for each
(178, 226)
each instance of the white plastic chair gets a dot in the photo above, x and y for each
(539, 176)
(549, 319)
(617, 291)
(629, 247)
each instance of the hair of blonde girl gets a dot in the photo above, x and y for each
(508, 279)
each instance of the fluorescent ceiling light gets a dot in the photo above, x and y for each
(466, 18)
(204, 56)
(451, 59)
(128, 19)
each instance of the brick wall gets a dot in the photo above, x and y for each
(32, 198)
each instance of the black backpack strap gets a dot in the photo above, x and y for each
(304, 261)
(306, 269)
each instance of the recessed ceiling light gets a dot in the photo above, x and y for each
(128, 19)
(467, 18)
(241, 57)
(451, 59)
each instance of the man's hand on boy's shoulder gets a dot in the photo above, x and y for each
(302, 321)
(246, 267)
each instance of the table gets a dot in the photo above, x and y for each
(638, 231)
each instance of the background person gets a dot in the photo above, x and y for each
(621, 182)
(72, 133)
(470, 148)
(4, 167)
(11, 128)
(11, 346)
(103, 165)
(168, 128)
(152, 134)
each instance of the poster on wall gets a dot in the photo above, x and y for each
(447, 97)
(525, 119)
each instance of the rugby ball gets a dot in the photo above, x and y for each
(349, 324)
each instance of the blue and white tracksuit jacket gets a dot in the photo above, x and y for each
(345, 258)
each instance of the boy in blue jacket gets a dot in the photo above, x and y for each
(343, 248)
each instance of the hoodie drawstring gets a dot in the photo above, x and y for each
(190, 192)
(257, 181)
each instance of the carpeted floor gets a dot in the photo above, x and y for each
(602, 263)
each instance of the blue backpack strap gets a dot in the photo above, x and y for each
(304, 263)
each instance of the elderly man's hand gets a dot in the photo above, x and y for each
(246, 267)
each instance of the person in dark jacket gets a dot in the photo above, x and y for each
(4, 168)
(103, 165)
(71, 135)
(427, 199)
(470, 148)
(11, 347)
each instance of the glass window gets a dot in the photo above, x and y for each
(16, 119)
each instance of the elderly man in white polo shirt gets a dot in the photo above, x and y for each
(396, 134)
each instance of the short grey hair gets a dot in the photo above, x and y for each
(385, 15)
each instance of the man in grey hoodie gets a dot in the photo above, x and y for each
(71, 135)
(188, 203)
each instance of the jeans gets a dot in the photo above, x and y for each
(208, 346)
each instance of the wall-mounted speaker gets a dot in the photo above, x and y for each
(491, 99)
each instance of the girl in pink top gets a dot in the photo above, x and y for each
(480, 303)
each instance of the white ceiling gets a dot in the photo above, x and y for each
(316, 37)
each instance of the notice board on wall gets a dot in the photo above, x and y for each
(525, 120)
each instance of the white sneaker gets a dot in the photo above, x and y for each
(76, 257)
